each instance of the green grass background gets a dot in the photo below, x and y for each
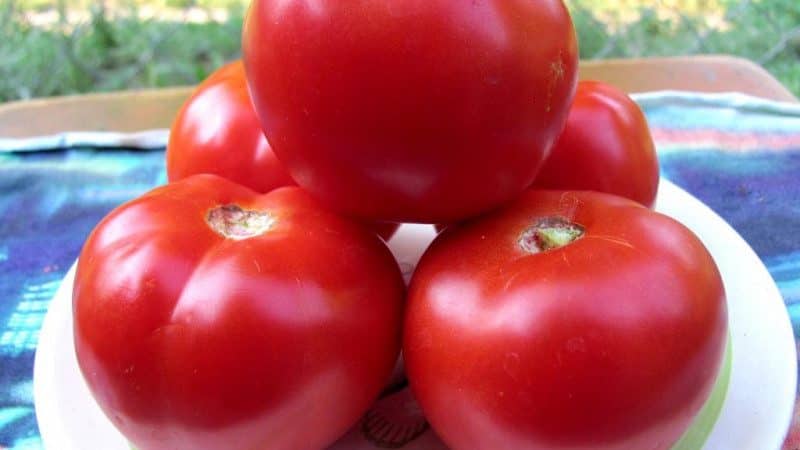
(74, 46)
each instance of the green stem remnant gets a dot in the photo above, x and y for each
(549, 233)
(233, 222)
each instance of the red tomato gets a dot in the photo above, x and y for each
(217, 132)
(612, 341)
(411, 111)
(210, 317)
(606, 146)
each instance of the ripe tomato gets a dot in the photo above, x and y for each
(612, 341)
(217, 132)
(208, 316)
(414, 111)
(606, 146)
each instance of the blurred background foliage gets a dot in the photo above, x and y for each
(73, 46)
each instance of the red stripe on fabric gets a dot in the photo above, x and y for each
(727, 140)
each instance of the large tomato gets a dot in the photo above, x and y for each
(566, 320)
(208, 316)
(217, 131)
(411, 111)
(606, 146)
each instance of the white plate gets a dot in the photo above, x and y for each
(755, 415)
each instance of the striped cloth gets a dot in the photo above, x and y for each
(738, 154)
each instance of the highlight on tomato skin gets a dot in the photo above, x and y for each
(415, 111)
(209, 316)
(606, 146)
(568, 319)
(217, 132)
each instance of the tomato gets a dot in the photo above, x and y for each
(208, 316)
(217, 132)
(566, 320)
(415, 111)
(606, 146)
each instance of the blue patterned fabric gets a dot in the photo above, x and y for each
(739, 155)
(49, 202)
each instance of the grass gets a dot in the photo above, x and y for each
(125, 44)
(105, 54)
(766, 31)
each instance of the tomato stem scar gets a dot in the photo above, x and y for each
(233, 222)
(549, 233)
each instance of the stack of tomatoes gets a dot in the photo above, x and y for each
(251, 303)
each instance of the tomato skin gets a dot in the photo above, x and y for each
(613, 341)
(418, 111)
(190, 340)
(217, 131)
(606, 146)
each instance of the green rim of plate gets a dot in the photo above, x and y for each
(695, 437)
